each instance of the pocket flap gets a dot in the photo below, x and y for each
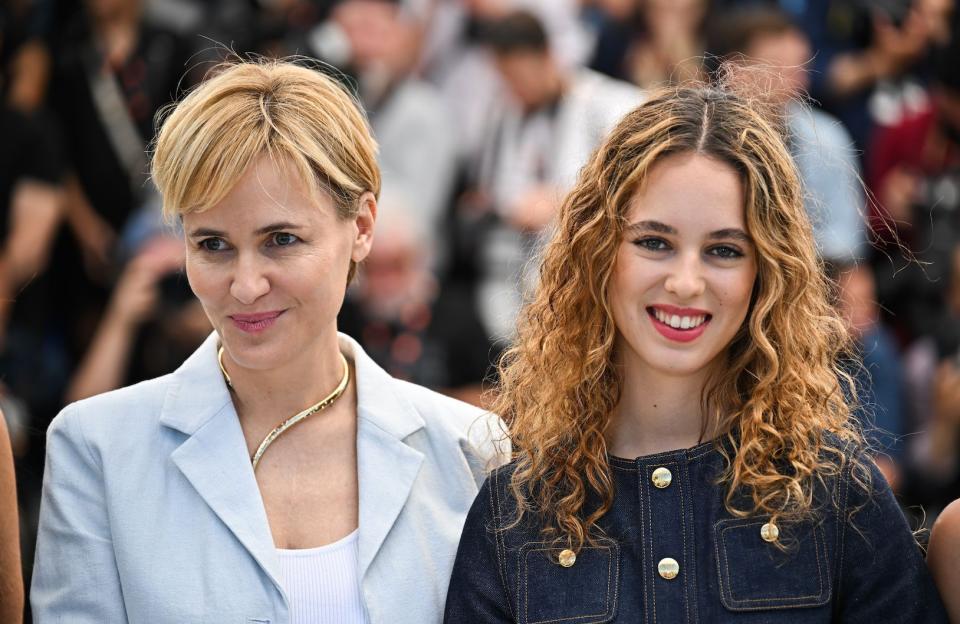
(756, 575)
(586, 592)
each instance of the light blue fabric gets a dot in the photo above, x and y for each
(151, 512)
(829, 169)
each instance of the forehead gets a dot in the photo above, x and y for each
(690, 191)
(268, 190)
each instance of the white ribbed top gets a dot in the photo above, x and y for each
(323, 584)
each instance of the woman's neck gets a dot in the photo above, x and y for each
(658, 412)
(278, 393)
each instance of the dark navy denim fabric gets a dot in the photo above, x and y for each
(865, 568)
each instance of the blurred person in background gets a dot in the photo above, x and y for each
(932, 371)
(11, 579)
(24, 54)
(768, 53)
(411, 325)
(226, 491)
(871, 56)
(534, 147)
(151, 324)
(115, 72)
(880, 382)
(914, 171)
(379, 44)
(454, 58)
(652, 42)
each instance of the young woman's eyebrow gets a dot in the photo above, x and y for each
(655, 226)
(663, 228)
(728, 233)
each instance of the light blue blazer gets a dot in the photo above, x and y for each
(151, 512)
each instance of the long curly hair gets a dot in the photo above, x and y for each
(783, 397)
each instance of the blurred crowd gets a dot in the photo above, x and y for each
(484, 110)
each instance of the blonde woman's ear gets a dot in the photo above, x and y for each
(365, 219)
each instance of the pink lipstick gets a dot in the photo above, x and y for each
(255, 323)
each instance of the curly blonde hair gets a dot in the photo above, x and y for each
(783, 397)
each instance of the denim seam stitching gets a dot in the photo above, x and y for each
(747, 601)
(643, 540)
(526, 599)
(646, 483)
(842, 529)
(683, 535)
(499, 548)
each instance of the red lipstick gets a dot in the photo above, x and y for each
(677, 334)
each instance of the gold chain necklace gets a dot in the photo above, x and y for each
(324, 403)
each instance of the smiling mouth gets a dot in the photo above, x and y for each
(679, 322)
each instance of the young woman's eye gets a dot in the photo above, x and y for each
(213, 244)
(726, 251)
(652, 243)
(283, 239)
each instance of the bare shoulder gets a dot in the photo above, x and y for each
(943, 558)
(946, 530)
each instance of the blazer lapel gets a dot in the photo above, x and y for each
(387, 467)
(214, 456)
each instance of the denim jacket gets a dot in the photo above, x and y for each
(857, 562)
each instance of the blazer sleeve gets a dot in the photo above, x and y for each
(75, 577)
(883, 576)
(477, 592)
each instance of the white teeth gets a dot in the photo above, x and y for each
(679, 322)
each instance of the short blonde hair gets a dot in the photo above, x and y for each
(292, 113)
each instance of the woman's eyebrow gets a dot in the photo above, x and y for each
(279, 225)
(655, 226)
(273, 227)
(734, 233)
(206, 232)
(663, 228)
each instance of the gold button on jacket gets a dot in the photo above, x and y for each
(662, 477)
(668, 568)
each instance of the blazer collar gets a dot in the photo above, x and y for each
(214, 456)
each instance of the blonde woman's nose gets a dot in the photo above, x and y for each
(249, 281)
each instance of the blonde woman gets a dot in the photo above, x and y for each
(683, 447)
(279, 475)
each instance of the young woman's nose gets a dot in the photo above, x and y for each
(685, 279)
(249, 281)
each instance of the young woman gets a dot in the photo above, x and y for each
(683, 444)
(278, 475)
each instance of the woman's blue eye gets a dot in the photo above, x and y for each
(283, 239)
(213, 244)
(725, 251)
(653, 244)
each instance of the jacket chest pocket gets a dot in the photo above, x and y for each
(585, 592)
(756, 575)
